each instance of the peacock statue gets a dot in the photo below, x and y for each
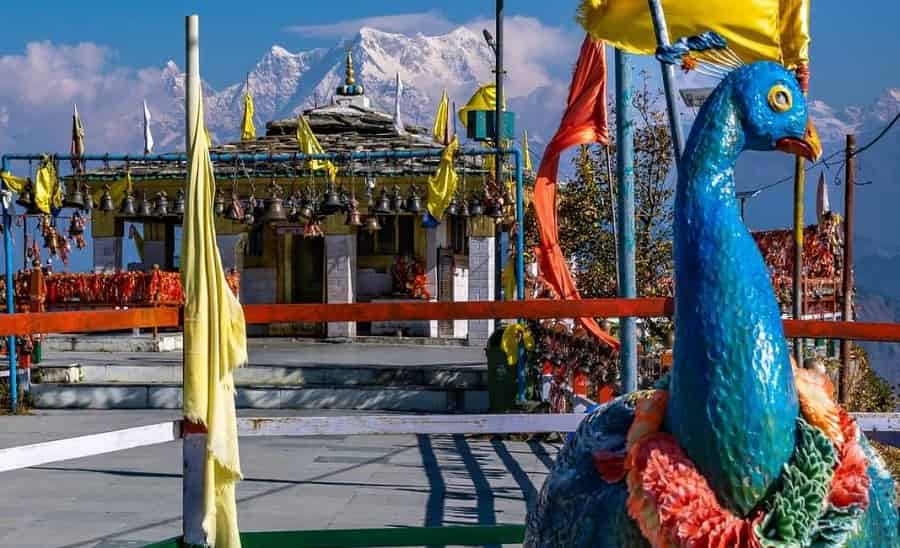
(737, 447)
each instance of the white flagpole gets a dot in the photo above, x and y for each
(148, 136)
(398, 121)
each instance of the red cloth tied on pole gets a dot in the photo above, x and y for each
(584, 122)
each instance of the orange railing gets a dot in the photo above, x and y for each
(112, 320)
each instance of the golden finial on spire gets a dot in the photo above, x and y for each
(349, 80)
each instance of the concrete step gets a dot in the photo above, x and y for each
(161, 396)
(165, 342)
(268, 375)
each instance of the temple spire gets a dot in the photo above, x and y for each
(349, 79)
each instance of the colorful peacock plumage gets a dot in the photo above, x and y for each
(754, 470)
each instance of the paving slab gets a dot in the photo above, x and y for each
(133, 497)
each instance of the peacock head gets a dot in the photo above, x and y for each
(773, 110)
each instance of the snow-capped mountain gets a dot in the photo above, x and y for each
(834, 124)
(283, 83)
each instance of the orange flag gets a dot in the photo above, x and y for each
(584, 122)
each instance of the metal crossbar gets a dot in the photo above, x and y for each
(26, 456)
(113, 320)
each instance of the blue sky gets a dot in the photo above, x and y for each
(854, 50)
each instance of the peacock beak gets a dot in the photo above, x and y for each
(808, 147)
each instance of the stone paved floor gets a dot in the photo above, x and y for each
(128, 498)
(286, 353)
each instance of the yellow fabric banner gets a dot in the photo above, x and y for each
(776, 30)
(509, 279)
(248, 130)
(440, 130)
(484, 98)
(308, 144)
(526, 154)
(509, 341)
(442, 185)
(215, 343)
(14, 183)
(47, 192)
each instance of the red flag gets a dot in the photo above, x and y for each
(584, 122)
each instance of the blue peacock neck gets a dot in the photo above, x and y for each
(732, 401)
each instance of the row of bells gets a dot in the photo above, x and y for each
(274, 209)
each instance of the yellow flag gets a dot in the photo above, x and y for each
(308, 144)
(509, 279)
(776, 30)
(442, 185)
(526, 154)
(441, 117)
(209, 140)
(509, 341)
(248, 130)
(14, 183)
(47, 192)
(484, 98)
(215, 343)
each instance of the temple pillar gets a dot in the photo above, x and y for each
(340, 278)
(481, 284)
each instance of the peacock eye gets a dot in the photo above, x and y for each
(780, 98)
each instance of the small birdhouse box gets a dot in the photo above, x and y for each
(481, 125)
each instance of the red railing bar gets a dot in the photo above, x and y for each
(858, 331)
(86, 321)
(475, 310)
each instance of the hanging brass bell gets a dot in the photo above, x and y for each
(414, 202)
(452, 208)
(274, 210)
(75, 198)
(179, 203)
(353, 218)
(106, 201)
(162, 204)
(398, 204)
(332, 202)
(372, 224)
(219, 203)
(383, 204)
(127, 208)
(475, 209)
(494, 210)
(88, 199)
(463, 210)
(146, 208)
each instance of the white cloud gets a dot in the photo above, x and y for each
(428, 22)
(46, 79)
(534, 54)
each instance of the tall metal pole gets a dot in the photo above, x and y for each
(797, 289)
(520, 263)
(668, 74)
(847, 281)
(10, 298)
(625, 206)
(498, 162)
(194, 435)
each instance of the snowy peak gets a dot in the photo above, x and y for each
(834, 124)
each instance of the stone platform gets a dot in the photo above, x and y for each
(282, 374)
